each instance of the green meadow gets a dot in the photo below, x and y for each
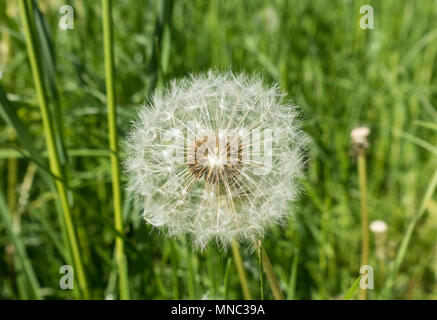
(68, 96)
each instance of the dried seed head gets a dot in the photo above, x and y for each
(216, 156)
(213, 159)
(379, 230)
(359, 137)
(378, 226)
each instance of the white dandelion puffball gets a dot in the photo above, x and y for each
(359, 136)
(378, 226)
(217, 156)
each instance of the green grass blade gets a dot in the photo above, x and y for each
(291, 290)
(212, 272)
(48, 65)
(226, 278)
(408, 234)
(260, 270)
(425, 124)
(113, 146)
(20, 249)
(11, 153)
(8, 113)
(350, 293)
(271, 276)
(240, 271)
(421, 143)
(55, 165)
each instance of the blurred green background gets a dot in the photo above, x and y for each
(340, 75)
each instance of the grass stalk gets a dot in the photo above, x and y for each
(53, 154)
(226, 279)
(364, 214)
(20, 250)
(240, 270)
(271, 276)
(350, 293)
(12, 166)
(260, 262)
(291, 290)
(407, 237)
(113, 146)
(12, 179)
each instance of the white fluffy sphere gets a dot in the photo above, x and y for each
(217, 156)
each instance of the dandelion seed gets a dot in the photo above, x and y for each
(216, 156)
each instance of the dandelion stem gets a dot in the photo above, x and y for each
(240, 269)
(53, 152)
(364, 213)
(113, 146)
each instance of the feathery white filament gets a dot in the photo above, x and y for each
(216, 156)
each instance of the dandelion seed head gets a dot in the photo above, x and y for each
(217, 156)
(269, 17)
(378, 226)
(359, 136)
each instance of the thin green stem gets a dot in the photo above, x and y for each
(226, 279)
(364, 214)
(260, 262)
(55, 166)
(240, 270)
(113, 146)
